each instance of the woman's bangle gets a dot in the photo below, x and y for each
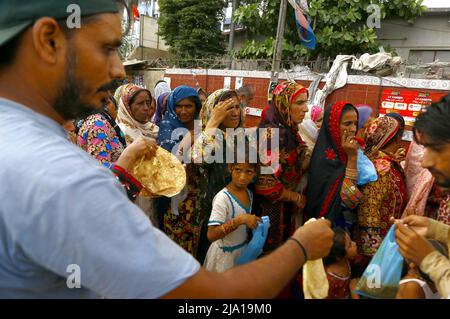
(293, 196)
(351, 173)
(301, 247)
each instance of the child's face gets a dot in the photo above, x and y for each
(350, 247)
(242, 174)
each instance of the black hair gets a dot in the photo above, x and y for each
(194, 100)
(160, 81)
(243, 156)
(191, 99)
(399, 118)
(114, 85)
(396, 137)
(434, 122)
(198, 106)
(347, 108)
(338, 249)
(255, 166)
(164, 105)
(201, 91)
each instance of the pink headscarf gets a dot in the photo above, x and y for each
(316, 111)
(419, 180)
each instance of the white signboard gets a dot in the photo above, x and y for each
(401, 106)
(253, 111)
(227, 83)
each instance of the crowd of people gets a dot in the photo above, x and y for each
(73, 198)
(223, 201)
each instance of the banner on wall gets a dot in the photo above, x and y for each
(408, 103)
(253, 111)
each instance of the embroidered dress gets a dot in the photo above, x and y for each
(286, 160)
(184, 227)
(209, 153)
(384, 198)
(180, 214)
(133, 130)
(329, 193)
(339, 287)
(223, 252)
(269, 189)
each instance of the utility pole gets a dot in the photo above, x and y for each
(279, 42)
(232, 27)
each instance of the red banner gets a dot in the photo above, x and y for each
(408, 103)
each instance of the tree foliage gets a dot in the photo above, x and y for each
(191, 27)
(339, 26)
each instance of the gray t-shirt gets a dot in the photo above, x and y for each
(64, 217)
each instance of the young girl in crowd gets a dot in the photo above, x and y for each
(230, 219)
(337, 265)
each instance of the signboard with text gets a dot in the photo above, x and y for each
(408, 103)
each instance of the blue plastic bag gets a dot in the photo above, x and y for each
(255, 247)
(366, 169)
(382, 276)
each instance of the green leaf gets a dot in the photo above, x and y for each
(337, 25)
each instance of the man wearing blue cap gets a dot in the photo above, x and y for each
(67, 228)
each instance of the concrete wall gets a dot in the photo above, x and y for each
(429, 32)
(149, 34)
(150, 77)
(142, 53)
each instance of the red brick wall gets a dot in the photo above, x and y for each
(354, 93)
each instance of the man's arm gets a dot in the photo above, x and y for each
(265, 277)
(437, 266)
(438, 231)
(416, 248)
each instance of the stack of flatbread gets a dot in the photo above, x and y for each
(163, 175)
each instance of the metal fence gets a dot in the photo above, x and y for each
(319, 65)
(436, 70)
